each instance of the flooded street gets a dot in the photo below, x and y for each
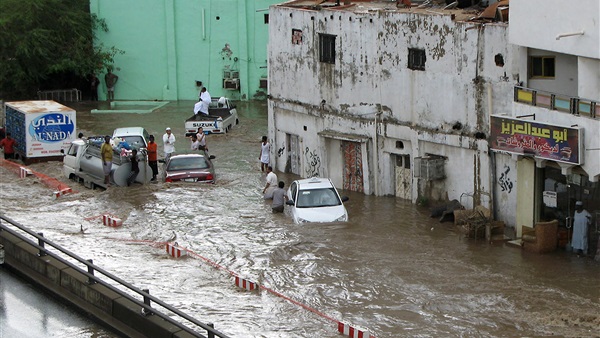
(390, 269)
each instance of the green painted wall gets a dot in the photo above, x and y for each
(171, 44)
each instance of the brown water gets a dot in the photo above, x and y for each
(391, 268)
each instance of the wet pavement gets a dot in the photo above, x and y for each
(25, 311)
(391, 268)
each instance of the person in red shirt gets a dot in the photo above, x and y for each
(8, 144)
(153, 157)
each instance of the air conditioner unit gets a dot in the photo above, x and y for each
(231, 84)
(263, 83)
(429, 168)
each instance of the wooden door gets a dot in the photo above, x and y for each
(353, 171)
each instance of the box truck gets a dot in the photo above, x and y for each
(41, 129)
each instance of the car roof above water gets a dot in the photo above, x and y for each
(314, 183)
(138, 131)
(188, 155)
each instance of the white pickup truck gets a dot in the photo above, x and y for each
(83, 163)
(222, 116)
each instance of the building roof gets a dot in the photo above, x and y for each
(461, 10)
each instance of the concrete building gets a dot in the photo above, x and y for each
(170, 46)
(555, 160)
(393, 100)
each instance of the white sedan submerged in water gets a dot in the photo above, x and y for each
(316, 200)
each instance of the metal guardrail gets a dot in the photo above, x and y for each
(553, 101)
(146, 308)
(63, 95)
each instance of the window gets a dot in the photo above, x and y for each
(266, 19)
(296, 37)
(416, 59)
(541, 66)
(327, 48)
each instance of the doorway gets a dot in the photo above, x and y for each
(403, 181)
(293, 142)
(353, 170)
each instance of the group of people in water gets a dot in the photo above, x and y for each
(273, 189)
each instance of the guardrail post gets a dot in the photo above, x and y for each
(91, 280)
(210, 334)
(41, 243)
(146, 312)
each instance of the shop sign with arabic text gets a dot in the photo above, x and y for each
(539, 139)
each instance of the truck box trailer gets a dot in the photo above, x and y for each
(41, 129)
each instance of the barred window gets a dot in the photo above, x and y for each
(327, 48)
(416, 59)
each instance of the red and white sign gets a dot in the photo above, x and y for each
(175, 250)
(353, 332)
(245, 284)
(111, 221)
(24, 172)
(61, 192)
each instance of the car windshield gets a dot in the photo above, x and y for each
(315, 198)
(134, 141)
(187, 163)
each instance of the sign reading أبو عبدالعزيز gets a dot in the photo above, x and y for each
(541, 140)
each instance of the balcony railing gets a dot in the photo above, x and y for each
(553, 101)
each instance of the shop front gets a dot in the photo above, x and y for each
(549, 177)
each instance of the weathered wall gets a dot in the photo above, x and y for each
(437, 111)
(505, 198)
(537, 23)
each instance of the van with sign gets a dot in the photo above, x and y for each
(42, 129)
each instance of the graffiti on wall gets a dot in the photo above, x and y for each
(313, 163)
(504, 181)
(281, 150)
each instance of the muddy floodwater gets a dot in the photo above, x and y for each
(390, 269)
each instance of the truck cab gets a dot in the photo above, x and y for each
(70, 160)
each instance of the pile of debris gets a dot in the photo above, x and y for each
(478, 223)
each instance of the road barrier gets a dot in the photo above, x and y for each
(111, 221)
(51, 182)
(62, 192)
(24, 172)
(245, 284)
(107, 297)
(352, 331)
(174, 250)
(342, 327)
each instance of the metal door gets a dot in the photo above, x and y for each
(403, 177)
(353, 171)
(294, 153)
